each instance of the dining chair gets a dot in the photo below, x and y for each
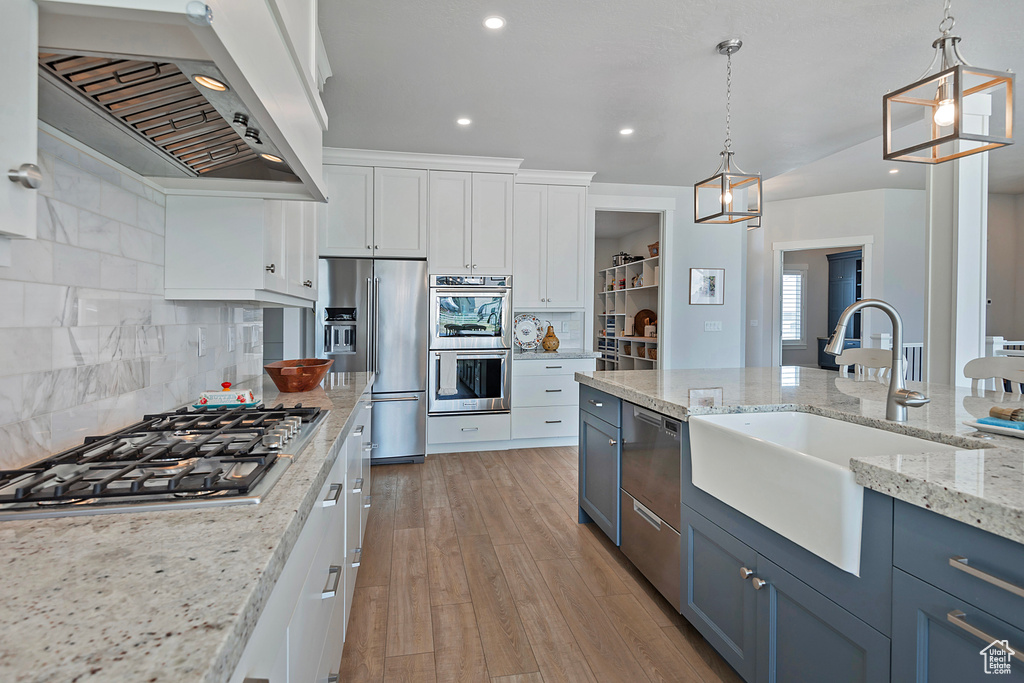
(1008, 371)
(864, 360)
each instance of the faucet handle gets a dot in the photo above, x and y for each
(911, 399)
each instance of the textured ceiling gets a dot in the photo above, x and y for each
(558, 82)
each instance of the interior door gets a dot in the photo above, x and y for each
(19, 39)
(492, 223)
(451, 219)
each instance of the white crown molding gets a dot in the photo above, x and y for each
(539, 177)
(430, 162)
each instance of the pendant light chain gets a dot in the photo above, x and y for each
(728, 102)
(948, 22)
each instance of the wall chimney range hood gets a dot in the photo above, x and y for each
(150, 116)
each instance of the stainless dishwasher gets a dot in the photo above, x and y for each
(651, 493)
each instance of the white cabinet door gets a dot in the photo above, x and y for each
(293, 245)
(310, 251)
(19, 35)
(451, 220)
(399, 213)
(346, 221)
(492, 223)
(566, 231)
(528, 274)
(275, 247)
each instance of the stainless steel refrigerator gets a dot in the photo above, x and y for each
(372, 316)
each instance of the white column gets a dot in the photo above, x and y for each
(955, 268)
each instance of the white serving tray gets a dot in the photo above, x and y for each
(996, 429)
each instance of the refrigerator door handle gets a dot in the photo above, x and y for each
(369, 332)
(376, 324)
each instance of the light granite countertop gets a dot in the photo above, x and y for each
(564, 354)
(983, 488)
(159, 596)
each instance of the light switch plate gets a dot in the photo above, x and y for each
(712, 325)
(753, 323)
(201, 342)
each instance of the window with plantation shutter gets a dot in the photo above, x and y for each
(794, 301)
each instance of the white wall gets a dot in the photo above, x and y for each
(1005, 258)
(686, 245)
(894, 219)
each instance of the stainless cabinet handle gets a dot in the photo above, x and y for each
(746, 573)
(366, 502)
(612, 442)
(552, 422)
(598, 404)
(27, 175)
(471, 429)
(554, 367)
(468, 266)
(358, 431)
(357, 556)
(961, 563)
(646, 515)
(330, 499)
(474, 266)
(759, 583)
(271, 268)
(552, 391)
(369, 406)
(307, 283)
(369, 246)
(331, 678)
(331, 588)
(959, 619)
(357, 485)
(367, 447)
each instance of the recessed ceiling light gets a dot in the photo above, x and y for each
(463, 121)
(211, 83)
(626, 131)
(272, 157)
(894, 170)
(494, 22)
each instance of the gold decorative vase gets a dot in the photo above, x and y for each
(550, 341)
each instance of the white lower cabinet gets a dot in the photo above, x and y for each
(545, 397)
(468, 428)
(300, 634)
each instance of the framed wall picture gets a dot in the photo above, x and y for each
(707, 286)
(705, 398)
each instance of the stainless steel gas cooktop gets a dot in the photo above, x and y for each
(186, 458)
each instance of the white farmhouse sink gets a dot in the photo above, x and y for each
(791, 472)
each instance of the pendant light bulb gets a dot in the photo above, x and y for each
(726, 198)
(945, 113)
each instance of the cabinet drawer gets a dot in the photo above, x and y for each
(545, 422)
(469, 428)
(534, 390)
(552, 366)
(307, 630)
(653, 547)
(990, 574)
(602, 405)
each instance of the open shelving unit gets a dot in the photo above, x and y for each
(621, 291)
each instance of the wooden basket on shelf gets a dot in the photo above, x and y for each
(627, 348)
(640, 351)
(652, 353)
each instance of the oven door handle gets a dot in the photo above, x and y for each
(471, 291)
(462, 355)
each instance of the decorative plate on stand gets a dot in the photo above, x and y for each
(527, 331)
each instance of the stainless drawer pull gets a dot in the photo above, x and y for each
(552, 367)
(646, 515)
(366, 502)
(962, 563)
(357, 555)
(959, 619)
(612, 442)
(552, 422)
(331, 589)
(552, 391)
(358, 431)
(746, 573)
(597, 404)
(329, 499)
(758, 583)
(471, 429)
(333, 678)
(357, 485)
(367, 447)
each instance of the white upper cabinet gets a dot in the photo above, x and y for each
(310, 249)
(18, 119)
(399, 213)
(346, 221)
(451, 222)
(470, 223)
(492, 223)
(240, 249)
(550, 231)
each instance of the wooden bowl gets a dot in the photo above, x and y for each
(301, 374)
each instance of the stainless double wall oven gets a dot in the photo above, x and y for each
(470, 344)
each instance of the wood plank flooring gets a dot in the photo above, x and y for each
(475, 569)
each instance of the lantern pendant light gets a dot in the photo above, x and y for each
(730, 195)
(924, 122)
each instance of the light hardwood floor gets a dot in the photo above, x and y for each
(474, 569)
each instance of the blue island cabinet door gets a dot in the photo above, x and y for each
(804, 636)
(600, 474)
(937, 638)
(716, 598)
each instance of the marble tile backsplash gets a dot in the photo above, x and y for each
(568, 325)
(88, 343)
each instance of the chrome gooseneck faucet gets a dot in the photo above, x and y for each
(900, 398)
